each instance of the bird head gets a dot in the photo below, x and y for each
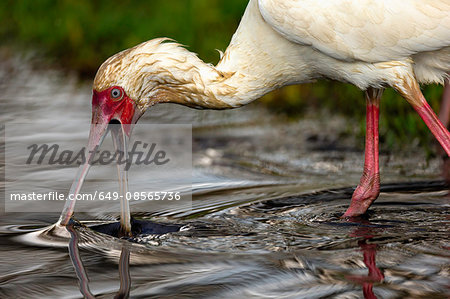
(156, 71)
(126, 84)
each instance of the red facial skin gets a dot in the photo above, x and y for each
(105, 107)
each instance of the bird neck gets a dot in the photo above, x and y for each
(191, 82)
(257, 61)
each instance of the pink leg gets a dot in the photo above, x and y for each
(411, 92)
(435, 126)
(369, 186)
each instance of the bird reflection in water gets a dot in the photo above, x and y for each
(124, 268)
(375, 275)
(364, 232)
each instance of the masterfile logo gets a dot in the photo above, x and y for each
(42, 160)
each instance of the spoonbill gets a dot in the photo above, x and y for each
(371, 44)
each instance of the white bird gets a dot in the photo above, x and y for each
(371, 44)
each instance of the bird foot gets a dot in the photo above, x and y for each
(364, 195)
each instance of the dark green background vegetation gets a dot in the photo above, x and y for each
(80, 34)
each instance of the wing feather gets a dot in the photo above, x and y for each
(365, 30)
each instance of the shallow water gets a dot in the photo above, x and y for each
(264, 222)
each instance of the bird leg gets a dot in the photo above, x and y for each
(412, 93)
(369, 185)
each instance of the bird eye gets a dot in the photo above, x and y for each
(116, 94)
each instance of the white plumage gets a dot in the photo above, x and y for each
(366, 43)
(363, 30)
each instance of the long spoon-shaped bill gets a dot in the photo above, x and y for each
(108, 106)
(96, 136)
